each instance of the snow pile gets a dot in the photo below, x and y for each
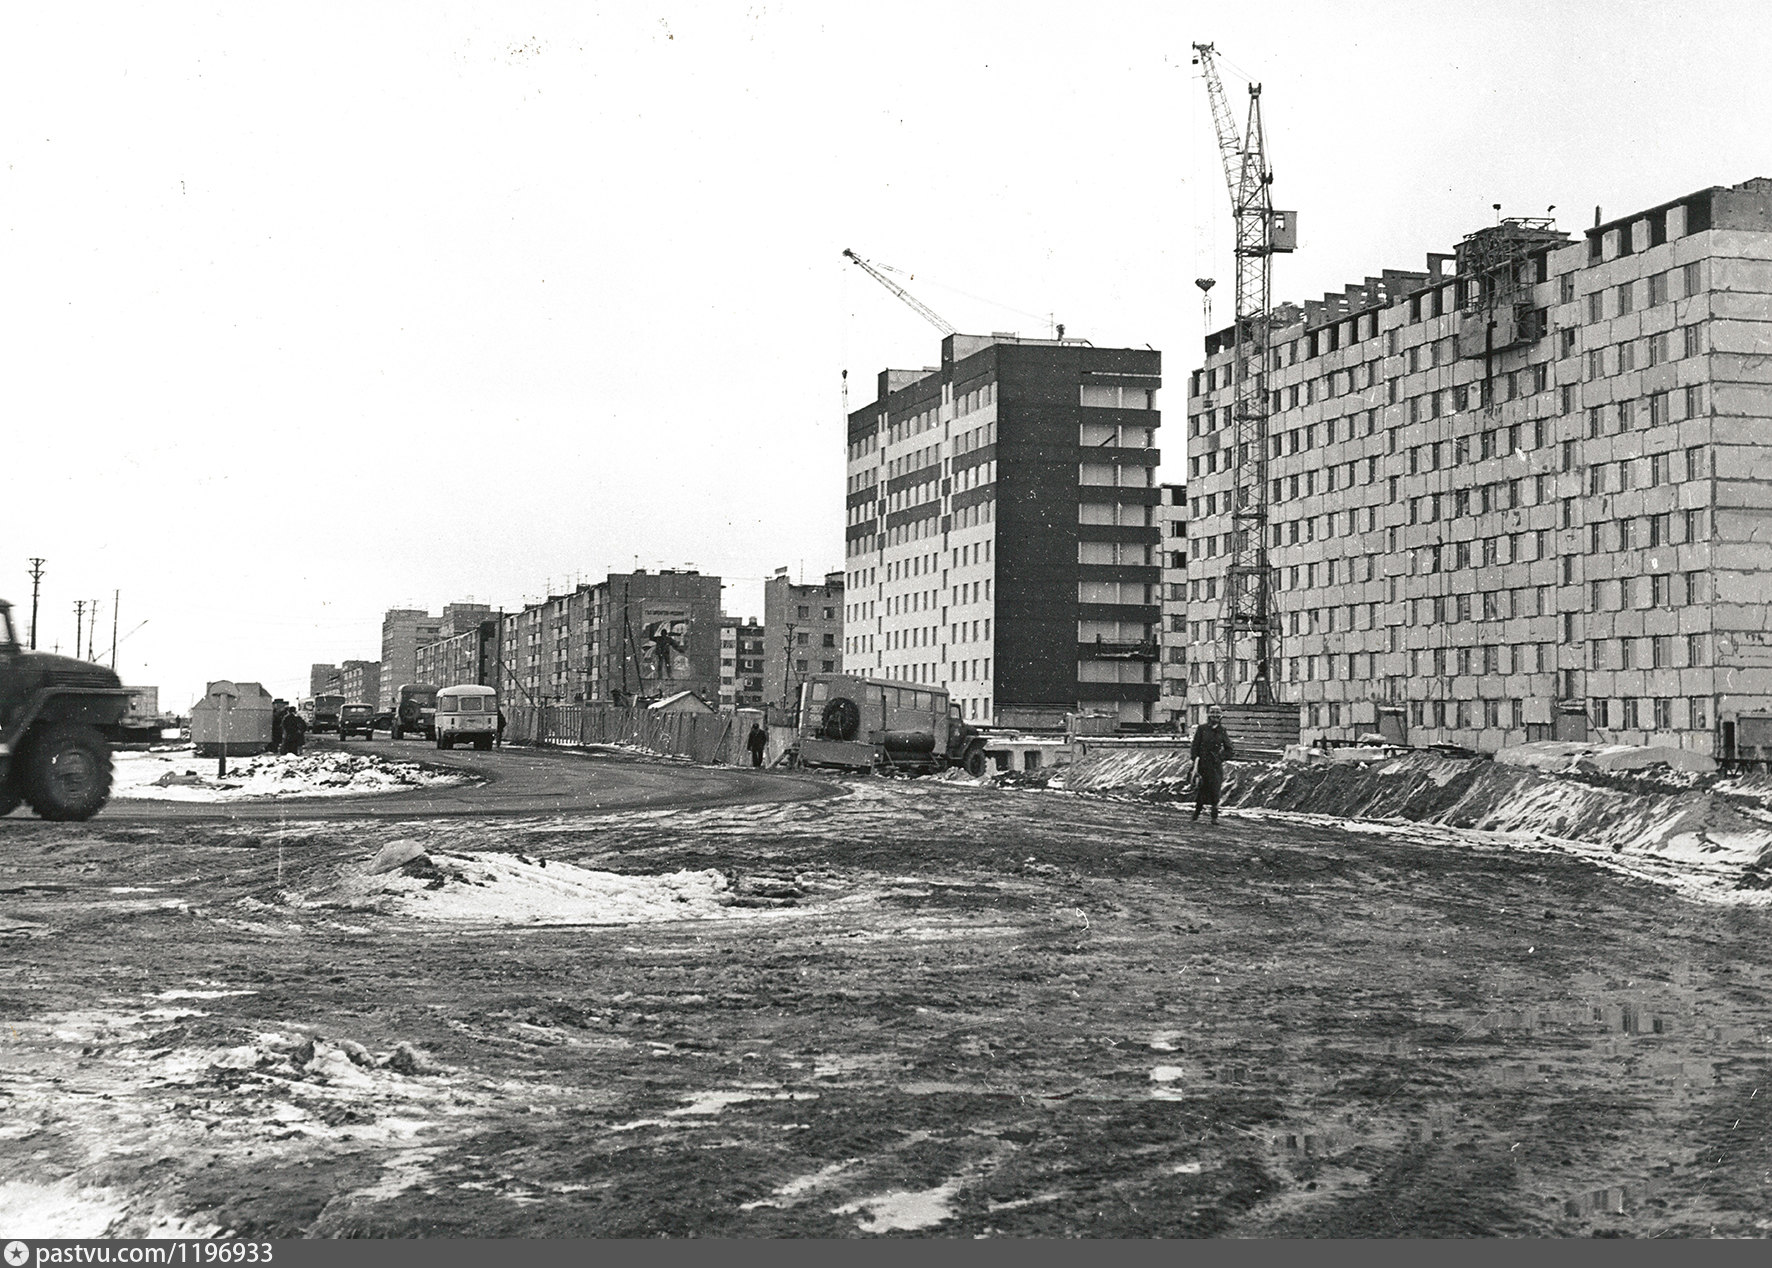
(511, 889)
(66, 1210)
(180, 775)
(1716, 833)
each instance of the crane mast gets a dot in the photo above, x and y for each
(1261, 232)
(923, 310)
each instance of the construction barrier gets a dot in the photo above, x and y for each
(708, 738)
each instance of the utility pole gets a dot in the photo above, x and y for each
(115, 596)
(92, 631)
(36, 579)
(79, 616)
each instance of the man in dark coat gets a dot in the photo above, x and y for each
(278, 710)
(757, 741)
(1212, 749)
(295, 730)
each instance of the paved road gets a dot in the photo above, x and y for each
(515, 781)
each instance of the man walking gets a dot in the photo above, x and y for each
(1212, 749)
(757, 741)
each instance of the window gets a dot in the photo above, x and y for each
(1689, 282)
(1593, 307)
(1625, 291)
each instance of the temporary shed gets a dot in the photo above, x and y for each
(682, 702)
(232, 717)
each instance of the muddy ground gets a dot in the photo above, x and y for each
(936, 1010)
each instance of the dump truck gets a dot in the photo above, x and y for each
(853, 723)
(58, 719)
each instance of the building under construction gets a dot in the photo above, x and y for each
(1519, 494)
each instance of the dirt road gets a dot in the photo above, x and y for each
(936, 1009)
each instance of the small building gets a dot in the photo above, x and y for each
(232, 718)
(682, 702)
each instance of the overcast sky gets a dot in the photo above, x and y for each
(314, 310)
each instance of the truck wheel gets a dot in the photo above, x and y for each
(394, 732)
(67, 774)
(443, 742)
(9, 800)
(975, 763)
(483, 743)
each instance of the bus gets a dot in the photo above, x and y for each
(320, 712)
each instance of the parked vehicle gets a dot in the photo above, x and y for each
(58, 718)
(321, 712)
(355, 719)
(467, 713)
(853, 723)
(415, 711)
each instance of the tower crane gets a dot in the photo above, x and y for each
(923, 310)
(1261, 233)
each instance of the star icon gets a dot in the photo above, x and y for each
(17, 1254)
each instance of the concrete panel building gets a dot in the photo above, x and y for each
(741, 664)
(802, 633)
(1002, 535)
(403, 631)
(1172, 632)
(323, 680)
(636, 635)
(1521, 494)
(467, 657)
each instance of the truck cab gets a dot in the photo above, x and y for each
(58, 719)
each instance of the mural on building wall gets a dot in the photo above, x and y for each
(664, 641)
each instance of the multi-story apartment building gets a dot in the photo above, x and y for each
(1002, 531)
(323, 680)
(359, 681)
(403, 630)
(1172, 632)
(802, 633)
(741, 663)
(469, 656)
(1519, 495)
(633, 636)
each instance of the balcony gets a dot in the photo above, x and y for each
(1102, 650)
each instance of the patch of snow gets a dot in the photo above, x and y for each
(56, 1211)
(714, 1102)
(180, 775)
(901, 1210)
(800, 1186)
(508, 889)
(200, 994)
(1166, 1073)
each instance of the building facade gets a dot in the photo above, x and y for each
(403, 631)
(1172, 632)
(467, 657)
(741, 664)
(1002, 535)
(359, 681)
(802, 633)
(1518, 495)
(323, 680)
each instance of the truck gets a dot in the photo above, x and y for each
(415, 711)
(852, 723)
(356, 718)
(58, 719)
(321, 712)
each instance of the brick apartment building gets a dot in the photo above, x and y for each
(1517, 495)
(1002, 530)
(359, 681)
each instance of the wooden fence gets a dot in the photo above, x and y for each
(709, 738)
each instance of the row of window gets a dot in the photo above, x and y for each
(1630, 713)
(1657, 288)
